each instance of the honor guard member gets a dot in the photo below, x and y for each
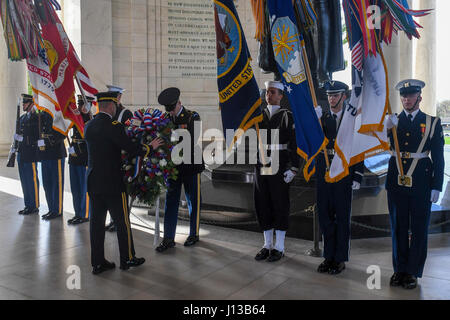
(78, 158)
(188, 175)
(122, 115)
(271, 189)
(52, 154)
(409, 197)
(27, 155)
(334, 200)
(105, 140)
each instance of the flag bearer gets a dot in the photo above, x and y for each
(271, 189)
(334, 200)
(78, 158)
(410, 196)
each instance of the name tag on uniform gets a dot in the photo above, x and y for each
(72, 150)
(405, 181)
(18, 137)
(41, 143)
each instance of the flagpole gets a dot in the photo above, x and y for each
(82, 94)
(263, 159)
(394, 129)
(313, 95)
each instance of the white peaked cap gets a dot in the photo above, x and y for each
(274, 84)
(113, 88)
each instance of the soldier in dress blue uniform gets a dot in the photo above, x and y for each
(188, 175)
(52, 154)
(27, 156)
(334, 200)
(271, 189)
(410, 196)
(122, 115)
(78, 158)
(105, 141)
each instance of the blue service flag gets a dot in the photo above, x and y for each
(239, 95)
(287, 46)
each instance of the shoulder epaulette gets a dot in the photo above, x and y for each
(115, 122)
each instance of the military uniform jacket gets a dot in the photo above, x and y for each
(330, 128)
(122, 114)
(429, 172)
(77, 142)
(54, 141)
(105, 141)
(185, 120)
(29, 130)
(287, 145)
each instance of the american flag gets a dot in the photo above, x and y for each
(357, 56)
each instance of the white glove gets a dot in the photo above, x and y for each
(356, 185)
(434, 196)
(391, 121)
(288, 176)
(319, 112)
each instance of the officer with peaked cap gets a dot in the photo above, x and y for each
(122, 115)
(334, 200)
(189, 174)
(78, 158)
(410, 196)
(271, 186)
(27, 155)
(105, 141)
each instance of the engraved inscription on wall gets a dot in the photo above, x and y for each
(191, 45)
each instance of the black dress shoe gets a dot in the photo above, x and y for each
(325, 266)
(52, 215)
(23, 210)
(44, 216)
(29, 211)
(275, 255)
(409, 282)
(336, 268)
(397, 279)
(70, 221)
(263, 254)
(165, 244)
(80, 220)
(132, 263)
(191, 240)
(103, 267)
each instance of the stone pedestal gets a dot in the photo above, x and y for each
(13, 82)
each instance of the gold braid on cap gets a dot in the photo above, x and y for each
(108, 99)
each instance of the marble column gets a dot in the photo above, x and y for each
(425, 56)
(96, 40)
(13, 82)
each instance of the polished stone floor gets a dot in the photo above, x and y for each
(36, 256)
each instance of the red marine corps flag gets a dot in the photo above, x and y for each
(63, 62)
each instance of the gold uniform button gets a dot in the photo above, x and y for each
(406, 143)
(404, 161)
(408, 134)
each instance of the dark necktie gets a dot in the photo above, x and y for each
(410, 117)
